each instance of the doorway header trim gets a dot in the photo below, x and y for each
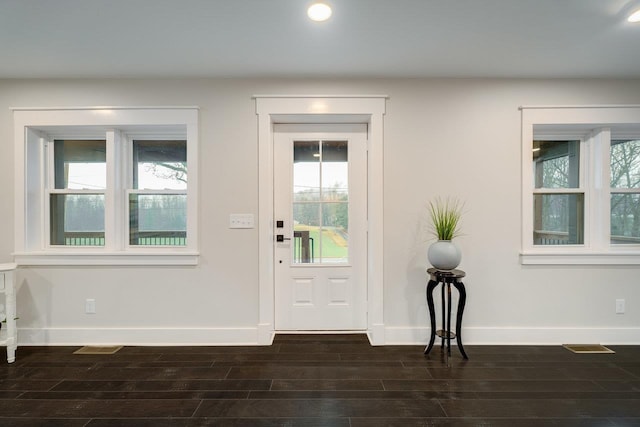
(321, 96)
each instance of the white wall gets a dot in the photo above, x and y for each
(442, 137)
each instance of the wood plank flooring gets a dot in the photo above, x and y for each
(320, 380)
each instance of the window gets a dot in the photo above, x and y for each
(625, 191)
(76, 195)
(158, 197)
(558, 198)
(106, 186)
(581, 185)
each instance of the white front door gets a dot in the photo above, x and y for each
(320, 211)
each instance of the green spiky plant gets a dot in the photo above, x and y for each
(445, 217)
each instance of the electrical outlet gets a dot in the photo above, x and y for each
(90, 306)
(619, 306)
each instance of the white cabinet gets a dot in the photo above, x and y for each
(9, 332)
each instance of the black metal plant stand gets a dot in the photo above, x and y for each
(447, 278)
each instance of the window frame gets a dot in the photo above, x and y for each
(34, 132)
(594, 127)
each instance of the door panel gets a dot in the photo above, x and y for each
(320, 188)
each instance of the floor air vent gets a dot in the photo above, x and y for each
(95, 349)
(588, 348)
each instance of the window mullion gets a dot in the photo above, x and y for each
(598, 201)
(129, 165)
(606, 186)
(192, 188)
(48, 185)
(113, 193)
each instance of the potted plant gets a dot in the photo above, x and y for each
(445, 220)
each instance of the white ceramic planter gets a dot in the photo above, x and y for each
(444, 255)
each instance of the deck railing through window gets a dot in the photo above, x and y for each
(159, 238)
(545, 237)
(88, 238)
(142, 238)
(303, 247)
(622, 240)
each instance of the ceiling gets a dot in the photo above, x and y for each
(274, 38)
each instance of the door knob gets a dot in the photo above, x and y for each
(281, 238)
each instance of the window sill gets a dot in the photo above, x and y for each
(580, 258)
(107, 258)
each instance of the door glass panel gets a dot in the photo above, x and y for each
(306, 226)
(335, 194)
(335, 171)
(320, 202)
(306, 171)
(335, 232)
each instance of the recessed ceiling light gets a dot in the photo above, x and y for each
(634, 17)
(319, 11)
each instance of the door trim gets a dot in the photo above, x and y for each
(368, 109)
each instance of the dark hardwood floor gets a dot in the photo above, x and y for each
(320, 380)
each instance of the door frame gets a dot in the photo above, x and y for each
(274, 109)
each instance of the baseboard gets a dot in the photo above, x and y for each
(254, 336)
(519, 336)
(137, 336)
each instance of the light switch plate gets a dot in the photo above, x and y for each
(241, 221)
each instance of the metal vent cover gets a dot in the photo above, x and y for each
(588, 348)
(96, 349)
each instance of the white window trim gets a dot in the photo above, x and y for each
(30, 126)
(594, 180)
